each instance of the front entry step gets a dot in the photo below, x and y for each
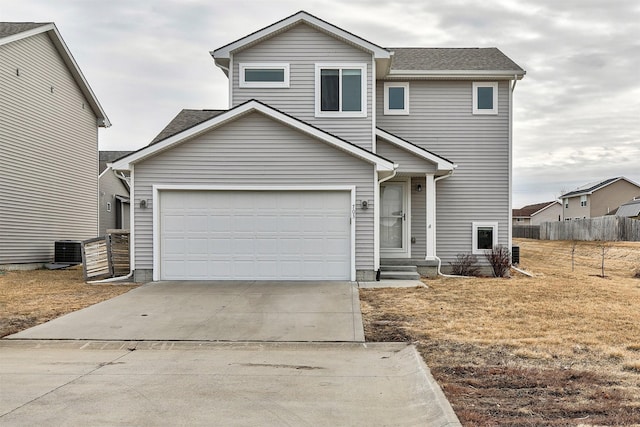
(399, 272)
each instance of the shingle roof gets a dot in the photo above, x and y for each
(531, 209)
(629, 209)
(184, 120)
(456, 59)
(10, 28)
(591, 187)
(105, 157)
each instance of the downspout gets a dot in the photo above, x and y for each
(440, 273)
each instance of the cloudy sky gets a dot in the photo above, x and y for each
(577, 111)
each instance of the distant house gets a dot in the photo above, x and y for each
(598, 198)
(631, 209)
(113, 199)
(49, 124)
(538, 213)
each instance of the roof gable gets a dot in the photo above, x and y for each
(241, 110)
(441, 163)
(14, 31)
(595, 186)
(531, 210)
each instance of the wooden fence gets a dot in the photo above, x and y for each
(605, 228)
(106, 256)
(526, 231)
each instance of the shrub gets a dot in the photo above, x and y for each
(500, 259)
(465, 265)
(637, 275)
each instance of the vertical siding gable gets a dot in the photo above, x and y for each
(302, 47)
(441, 121)
(48, 153)
(253, 150)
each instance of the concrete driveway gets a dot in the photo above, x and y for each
(217, 311)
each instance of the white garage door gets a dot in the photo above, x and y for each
(261, 235)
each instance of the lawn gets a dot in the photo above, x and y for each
(28, 298)
(561, 348)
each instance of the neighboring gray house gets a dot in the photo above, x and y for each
(631, 209)
(49, 119)
(113, 198)
(598, 198)
(538, 213)
(336, 157)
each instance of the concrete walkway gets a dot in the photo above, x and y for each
(230, 384)
(217, 311)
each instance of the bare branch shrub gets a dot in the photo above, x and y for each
(465, 265)
(500, 259)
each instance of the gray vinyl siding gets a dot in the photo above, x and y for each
(302, 47)
(253, 150)
(407, 162)
(418, 218)
(110, 186)
(48, 154)
(441, 121)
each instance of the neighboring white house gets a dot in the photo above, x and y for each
(538, 213)
(336, 157)
(49, 124)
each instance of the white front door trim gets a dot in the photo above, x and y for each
(160, 187)
(405, 252)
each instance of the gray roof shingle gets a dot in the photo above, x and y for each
(105, 157)
(452, 59)
(10, 28)
(184, 120)
(591, 187)
(529, 210)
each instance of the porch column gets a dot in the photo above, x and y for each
(431, 217)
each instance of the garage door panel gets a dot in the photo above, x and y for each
(268, 235)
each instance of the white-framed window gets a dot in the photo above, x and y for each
(396, 98)
(341, 90)
(583, 201)
(485, 98)
(264, 74)
(485, 237)
(566, 203)
(108, 206)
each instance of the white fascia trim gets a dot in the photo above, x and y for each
(242, 66)
(441, 163)
(56, 38)
(156, 189)
(501, 74)
(125, 163)
(266, 32)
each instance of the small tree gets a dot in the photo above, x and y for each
(500, 259)
(574, 244)
(465, 265)
(603, 247)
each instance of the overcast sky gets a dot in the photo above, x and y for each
(576, 112)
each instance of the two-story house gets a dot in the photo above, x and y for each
(336, 156)
(49, 120)
(598, 198)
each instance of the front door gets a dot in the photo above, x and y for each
(393, 220)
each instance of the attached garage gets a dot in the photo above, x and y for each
(240, 234)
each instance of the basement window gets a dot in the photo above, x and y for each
(485, 237)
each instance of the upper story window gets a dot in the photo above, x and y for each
(485, 98)
(566, 203)
(396, 98)
(341, 90)
(264, 75)
(583, 201)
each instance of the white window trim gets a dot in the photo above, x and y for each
(477, 225)
(340, 66)
(493, 85)
(387, 110)
(264, 65)
(108, 206)
(583, 201)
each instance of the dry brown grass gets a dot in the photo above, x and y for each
(562, 348)
(28, 298)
